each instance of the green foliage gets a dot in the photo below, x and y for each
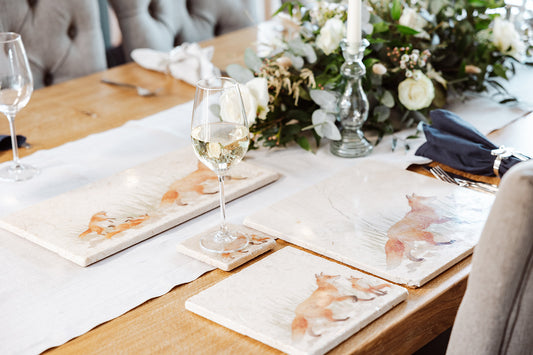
(449, 42)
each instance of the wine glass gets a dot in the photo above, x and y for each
(220, 138)
(16, 87)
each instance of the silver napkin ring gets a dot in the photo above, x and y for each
(501, 153)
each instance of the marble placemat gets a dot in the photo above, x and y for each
(396, 224)
(297, 302)
(258, 243)
(90, 223)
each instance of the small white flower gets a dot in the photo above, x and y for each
(408, 74)
(331, 35)
(416, 94)
(506, 39)
(379, 69)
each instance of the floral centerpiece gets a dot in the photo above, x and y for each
(419, 53)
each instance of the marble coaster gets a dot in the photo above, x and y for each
(259, 244)
(297, 302)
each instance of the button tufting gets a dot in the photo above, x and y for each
(48, 78)
(72, 31)
(153, 9)
(32, 3)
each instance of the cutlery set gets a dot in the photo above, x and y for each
(442, 175)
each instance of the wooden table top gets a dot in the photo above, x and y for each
(72, 110)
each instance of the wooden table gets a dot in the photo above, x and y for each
(72, 110)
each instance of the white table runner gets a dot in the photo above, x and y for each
(46, 300)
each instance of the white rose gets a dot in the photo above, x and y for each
(259, 89)
(506, 39)
(412, 19)
(416, 94)
(330, 35)
(230, 107)
(254, 98)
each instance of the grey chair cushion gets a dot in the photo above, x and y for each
(164, 24)
(63, 38)
(496, 314)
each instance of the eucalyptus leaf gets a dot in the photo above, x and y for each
(251, 60)
(297, 46)
(327, 100)
(297, 62)
(387, 99)
(382, 113)
(239, 73)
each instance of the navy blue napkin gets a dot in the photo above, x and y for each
(454, 142)
(5, 141)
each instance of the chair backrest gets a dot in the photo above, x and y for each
(165, 24)
(63, 38)
(496, 314)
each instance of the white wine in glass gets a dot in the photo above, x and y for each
(220, 138)
(16, 87)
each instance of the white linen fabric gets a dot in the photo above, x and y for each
(188, 62)
(46, 300)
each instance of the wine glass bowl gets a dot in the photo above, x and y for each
(16, 87)
(220, 138)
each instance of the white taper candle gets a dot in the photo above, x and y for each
(353, 31)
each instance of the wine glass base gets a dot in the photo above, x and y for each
(18, 172)
(224, 242)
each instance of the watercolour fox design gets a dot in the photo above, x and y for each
(411, 228)
(194, 182)
(376, 289)
(314, 307)
(101, 224)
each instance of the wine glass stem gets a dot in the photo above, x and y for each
(14, 143)
(223, 227)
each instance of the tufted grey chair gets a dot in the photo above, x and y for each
(164, 24)
(496, 313)
(63, 38)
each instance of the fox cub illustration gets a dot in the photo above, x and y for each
(314, 306)
(101, 224)
(412, 228)
(194, 182)
(376, 289)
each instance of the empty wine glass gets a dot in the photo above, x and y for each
(16, 87)
(220, 139)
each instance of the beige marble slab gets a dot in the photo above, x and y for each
(297, 302)
(90, 223)
(259, 243)
(396, 224)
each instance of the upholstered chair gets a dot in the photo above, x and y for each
(63, 38)
(496, 314)
(164, 24)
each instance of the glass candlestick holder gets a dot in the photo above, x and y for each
(353, 104)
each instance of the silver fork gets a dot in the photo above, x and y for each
(442, 175)
(140, 90)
